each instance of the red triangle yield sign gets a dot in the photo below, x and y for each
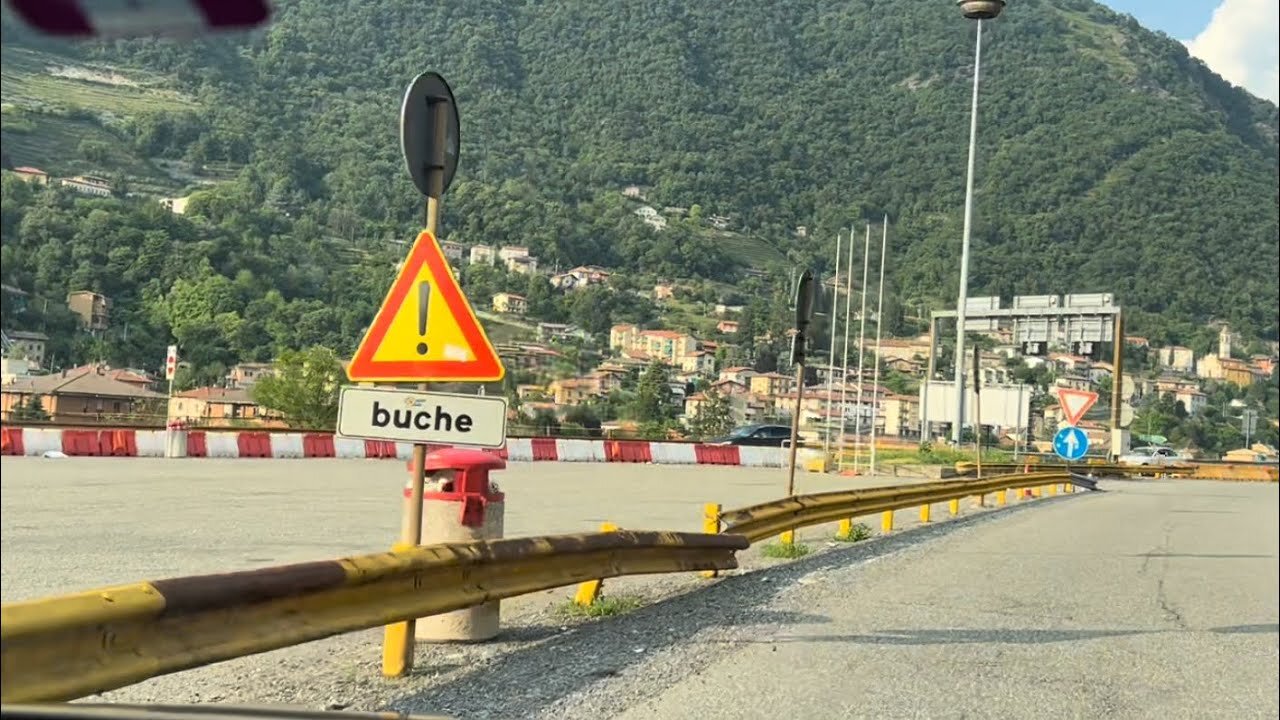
(425, 330)
(1075, 403)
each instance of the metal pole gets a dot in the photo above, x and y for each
(831, 356)
(977, 411)
(925, 433)
(1017, 441)
(964, 243)
(844, 372)
(875, 385)
(398, 638)
(1117, 383)
(862, 337)
(795, 429)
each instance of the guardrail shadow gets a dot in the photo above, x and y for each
(588, 653)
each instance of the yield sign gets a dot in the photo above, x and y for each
(1075, 403)
(425, 329)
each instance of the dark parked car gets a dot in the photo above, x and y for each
(760, 435)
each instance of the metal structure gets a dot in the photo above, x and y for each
(1077, 322)
(978, 10)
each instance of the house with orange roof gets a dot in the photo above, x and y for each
(214, 407)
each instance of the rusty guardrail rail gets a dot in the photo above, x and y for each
(764, 520)
(1215, 470)
(66, 647)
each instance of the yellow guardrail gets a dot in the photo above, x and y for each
(67, 647)
(1243, 472)
(765, 520)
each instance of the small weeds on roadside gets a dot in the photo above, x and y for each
(857, 533)
(783, 551)
(604, 606)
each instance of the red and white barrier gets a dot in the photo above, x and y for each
(112, 442)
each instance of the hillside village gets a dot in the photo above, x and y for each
(698, 375)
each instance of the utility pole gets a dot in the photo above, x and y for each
(831, 356)
(862, 343)
(875, 397)
(844, 371)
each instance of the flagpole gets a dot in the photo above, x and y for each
(831, 356)
(844, 372)
(862, 337)
(875, 388)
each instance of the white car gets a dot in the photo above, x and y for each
(1151, 456)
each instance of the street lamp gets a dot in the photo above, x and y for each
(974, 10)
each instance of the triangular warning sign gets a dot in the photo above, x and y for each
(1075, 403)
(425, 330)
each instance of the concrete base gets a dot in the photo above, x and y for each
(441, 523)
(175, 443)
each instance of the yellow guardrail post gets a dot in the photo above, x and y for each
(886, 522)
(1001, 497)
(589, 590)
(845, 528)
(953, 506)
(397, 640)
(1053, 489)
(711, 526)
(924, 512)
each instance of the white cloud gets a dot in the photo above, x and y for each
(1240, 44)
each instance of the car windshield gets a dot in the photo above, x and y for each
(1143, 451)
(743, 431)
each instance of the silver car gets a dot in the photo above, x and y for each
(1150, 456)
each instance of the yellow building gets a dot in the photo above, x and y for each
(510, 303)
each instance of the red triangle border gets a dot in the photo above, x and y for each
(485, 368)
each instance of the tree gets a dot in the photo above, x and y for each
(303, 388)
(715, 415)
(32, 409)
(652, 401)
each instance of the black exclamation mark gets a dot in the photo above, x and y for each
(424, 300)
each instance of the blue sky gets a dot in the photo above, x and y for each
(1180, 19)
(1236, 38)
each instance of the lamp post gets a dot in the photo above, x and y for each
(973, 10)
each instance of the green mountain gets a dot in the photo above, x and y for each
(1109, 159)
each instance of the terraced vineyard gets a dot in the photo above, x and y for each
(59, 116)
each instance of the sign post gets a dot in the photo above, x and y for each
(977, 410)
(804, 314)
(424, 331)
(1071, 443)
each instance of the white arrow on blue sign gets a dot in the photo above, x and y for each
(1071, 443)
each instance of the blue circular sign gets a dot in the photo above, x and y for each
(1071, 443)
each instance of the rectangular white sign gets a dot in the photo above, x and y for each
(422, 417)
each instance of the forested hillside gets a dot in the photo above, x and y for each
(1110, 160)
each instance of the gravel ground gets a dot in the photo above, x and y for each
(543, 655)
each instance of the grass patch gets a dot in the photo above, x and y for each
(782, 551)
(604, 606)
(857, 533)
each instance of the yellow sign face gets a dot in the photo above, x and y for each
(425, 330)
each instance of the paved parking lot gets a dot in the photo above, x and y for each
(76, 523)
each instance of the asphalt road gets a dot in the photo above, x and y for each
(75, 523)
(1153, 600)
